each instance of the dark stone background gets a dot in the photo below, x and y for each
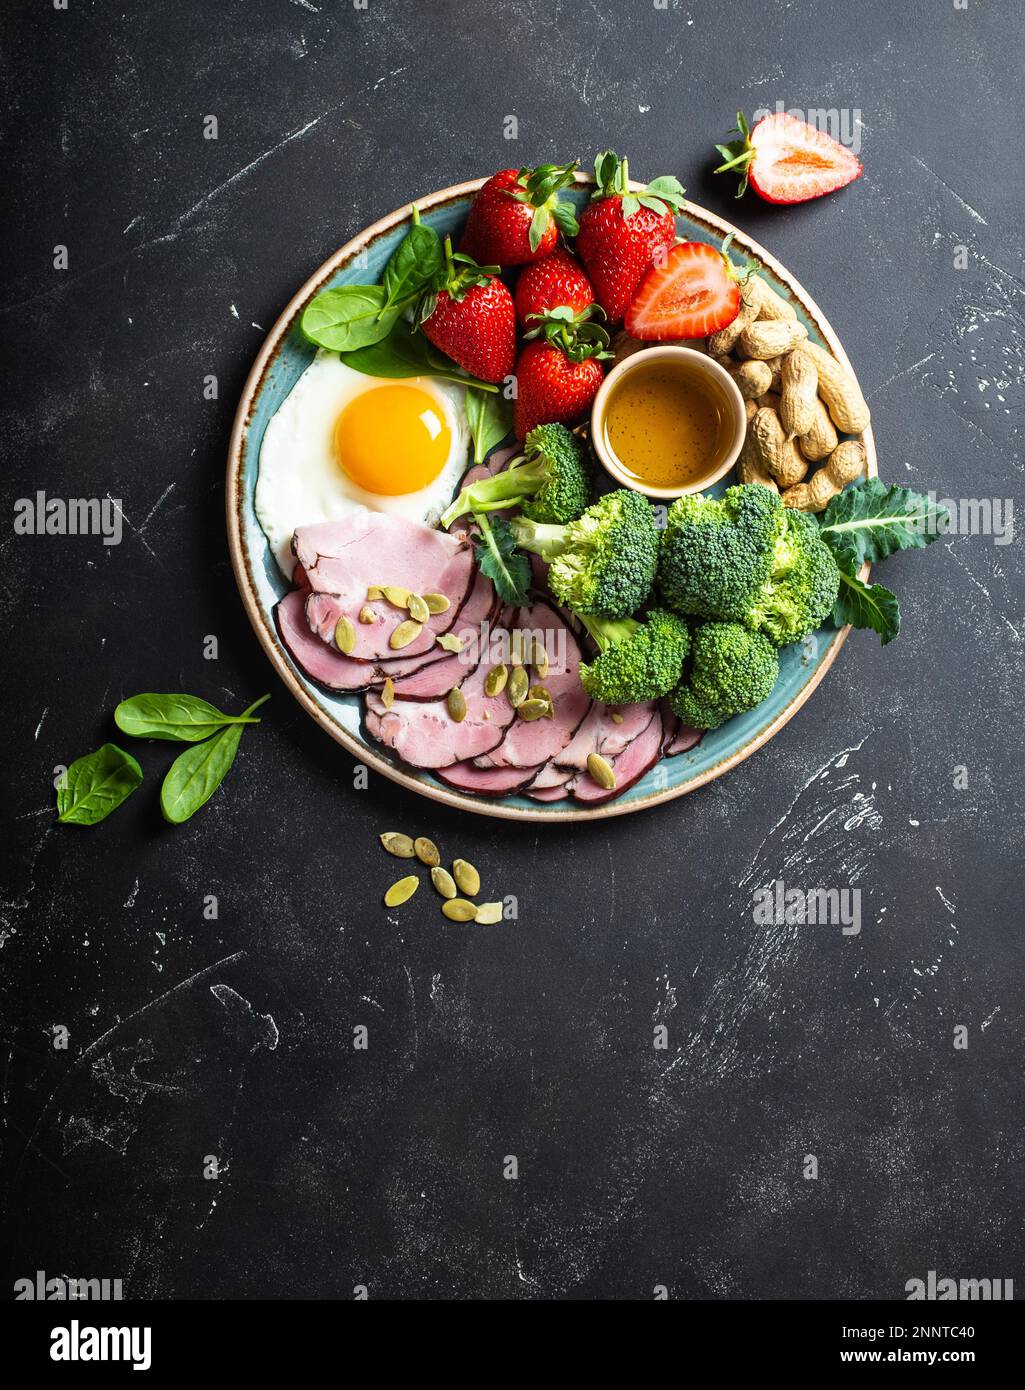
(384, 1167)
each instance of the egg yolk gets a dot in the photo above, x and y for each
(392, 440)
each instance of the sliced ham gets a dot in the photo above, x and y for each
(323, 664)
(486, 781)
(601, 733)
(684, 738)
(343, 559)
(530, 744)
(630, 766)
(559, 793)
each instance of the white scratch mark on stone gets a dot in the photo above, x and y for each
(972, 212)
(35, 736)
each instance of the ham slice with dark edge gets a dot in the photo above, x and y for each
(531, 744)
(630, 766)
(323, 664)
(342, 559)
(486, 781)
(559, 793)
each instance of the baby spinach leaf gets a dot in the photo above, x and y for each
(96, 784)
(196, 774)
(405, 353)
(498, 559)
(871, 521)
(177, 718)
(348, 317)
(867, 605)
(417, 264)
(490, 419)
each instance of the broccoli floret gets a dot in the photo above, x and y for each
(745, 558)
(732, 670)
(604, 562)
(550, 481)
(636, 661)
(796, 599)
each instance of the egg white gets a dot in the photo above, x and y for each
(300, 482)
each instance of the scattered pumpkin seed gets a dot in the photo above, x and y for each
(466, 876)
(426, 851)
(398, 844)
(396, 595)
(443, 881)
(529, 710)
(601, 771)
(494, 681)
(437, 603)
(489, 913)
(388, 693)
(418, 609)
(401, 891)
(450, 642)
(404, 634)
(459, 910)
(518, 687)
(456, 703)
(345, 636)
(367, 615)
(539, 659)
(374, 592)
(616, 717)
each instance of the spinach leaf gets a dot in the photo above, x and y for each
(351, 316)
(417, 264)
(97, 784)
(871, 521)
(177, 718)
(498, 559)
(867, 605)
(405, 353)
(490, 419)
(196, 774)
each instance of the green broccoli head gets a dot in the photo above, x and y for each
(636, 661)
(603, 563)
(550, 481)
(717, 552)
(732, 670)
(799, 595)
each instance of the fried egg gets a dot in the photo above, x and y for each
(343, 442)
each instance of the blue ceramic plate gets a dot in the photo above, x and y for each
(283, 358)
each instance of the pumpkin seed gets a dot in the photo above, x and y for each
(418, 609)
(456, 703)
(466, 876)
(518, 687)
(529, 710)
(459, 910)
(539, 659)
(398, 844)
(601, 771)
(404, 634)
(616, 717)
(396, 595)
(443, 882)
(426, 851)
(450, 642)
(437, 603)
(345, 636)
(388, 693)
(488, 913)
(494, 681)
(367, 615)
(374, 592)
(401, 891)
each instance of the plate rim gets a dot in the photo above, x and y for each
(240, 560)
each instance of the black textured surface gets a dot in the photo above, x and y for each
(384, 1167)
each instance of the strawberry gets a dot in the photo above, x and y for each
(545, 285)
(517, 216)
(786, 160)
(621, 233)
(471, 318)
(695, 292)
(559, 370)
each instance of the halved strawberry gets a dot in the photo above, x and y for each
(692, 293)
(787, 160)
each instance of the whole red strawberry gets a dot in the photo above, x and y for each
(517, 216)
(545, 285)
(621, 233)
(471, 318)
(559, 371)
